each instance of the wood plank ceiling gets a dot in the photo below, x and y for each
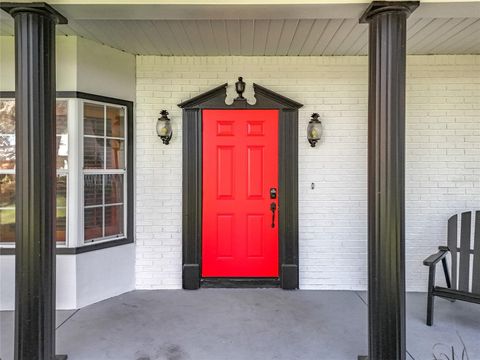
(292, 37)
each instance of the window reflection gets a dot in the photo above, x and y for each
(62, 152)
(7, 191)
(93, 120)
(7, 166)
(115, 122)
(93, 223)
(62, 117)
(113, 189)
(115, 154)
(7, 225)
(7, 116)
(61, 232)
(7, 208)
(7, 134)
(93, 153)
(113, 220)
(93, 190)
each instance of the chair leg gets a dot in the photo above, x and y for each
(430, 308)
(430, 299)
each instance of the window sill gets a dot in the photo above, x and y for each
(77, 250)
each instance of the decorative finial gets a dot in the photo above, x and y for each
(240, 88)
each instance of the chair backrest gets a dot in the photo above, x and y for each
(465, 250)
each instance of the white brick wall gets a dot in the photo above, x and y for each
(443, 151)
(443, 167)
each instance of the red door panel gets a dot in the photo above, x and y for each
(240, 166)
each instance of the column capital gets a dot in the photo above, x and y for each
(39, 7)
(380, 7)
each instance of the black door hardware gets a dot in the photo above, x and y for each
(273, 207)
(273, 193)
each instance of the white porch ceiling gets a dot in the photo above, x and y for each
(275, 30)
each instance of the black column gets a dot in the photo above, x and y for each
(35, 179)
(386, 177)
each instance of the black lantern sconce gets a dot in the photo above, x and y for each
(164, 128)
(314, 130)
(240, 88)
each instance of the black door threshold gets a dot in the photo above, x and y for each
(240, 282)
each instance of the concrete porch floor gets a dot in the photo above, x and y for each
(245, 324)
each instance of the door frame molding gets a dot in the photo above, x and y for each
(287, 181)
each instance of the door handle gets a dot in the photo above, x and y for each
(273, 207)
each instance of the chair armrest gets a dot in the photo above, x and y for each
(435, 258)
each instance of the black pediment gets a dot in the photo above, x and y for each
(215, 99)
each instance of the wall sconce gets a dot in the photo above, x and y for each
(164, 128)
(314, 130)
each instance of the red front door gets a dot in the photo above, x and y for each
(240, 167)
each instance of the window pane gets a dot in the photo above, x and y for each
(62, 117)
(7, 191)
(61, 232)
(62, 152)
(61, 208)
(7, 117)
(62, 134)
(115, 122)
(93, 190)
(93, 123)
(113, 220)
(113, 189)
(61, 190)
(7, 152)
(115, 154)
(93, 223)
(93, 153)
(7, 226)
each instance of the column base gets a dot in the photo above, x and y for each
(289, 278)
(191, 276)
(362, 357)
(61, 357)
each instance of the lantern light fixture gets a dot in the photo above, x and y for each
(164, 128)
(314, 130)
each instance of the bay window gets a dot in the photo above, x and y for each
(93, 179)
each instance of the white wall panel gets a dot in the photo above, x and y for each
(81, 279)
(105, 273)
(105, 71)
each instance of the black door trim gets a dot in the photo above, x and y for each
(192, 186)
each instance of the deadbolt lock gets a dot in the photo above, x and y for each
(273, 193)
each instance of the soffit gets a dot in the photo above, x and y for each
(246, 30)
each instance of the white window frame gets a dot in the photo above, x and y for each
(82, 172)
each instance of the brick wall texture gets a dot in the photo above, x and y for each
(443, 158)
